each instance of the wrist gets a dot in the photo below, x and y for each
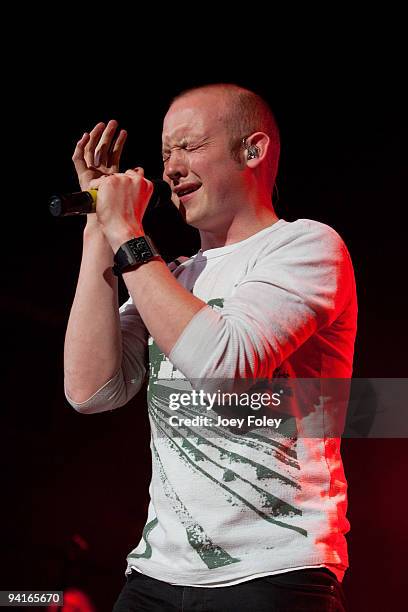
(93, 231)
(96, 248)
(118, 238)
(134, 252)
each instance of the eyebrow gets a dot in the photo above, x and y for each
(178, 143)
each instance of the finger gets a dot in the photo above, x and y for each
(102, 150)
(139, 173)
(78, 156)
(117, 150)
(94, 136)
(135, 171)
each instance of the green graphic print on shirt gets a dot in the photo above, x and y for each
(214, 453)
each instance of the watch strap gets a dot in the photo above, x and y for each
(134, 252)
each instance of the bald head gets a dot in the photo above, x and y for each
(243, 113)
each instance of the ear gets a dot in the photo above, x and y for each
(256, 148)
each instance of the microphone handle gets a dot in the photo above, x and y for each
(78, 203)
(84, 202)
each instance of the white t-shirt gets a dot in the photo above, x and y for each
(229, 506)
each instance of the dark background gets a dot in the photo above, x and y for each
(343, 132)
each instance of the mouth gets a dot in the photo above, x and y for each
(187, 193)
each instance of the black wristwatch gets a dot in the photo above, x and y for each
(134, 252)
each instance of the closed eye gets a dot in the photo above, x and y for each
(185, 147)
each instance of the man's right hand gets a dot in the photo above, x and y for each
(98, 154)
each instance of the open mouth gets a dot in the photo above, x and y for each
(186, 194)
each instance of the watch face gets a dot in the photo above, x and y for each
(140, 249)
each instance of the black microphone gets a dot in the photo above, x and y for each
(84, 202)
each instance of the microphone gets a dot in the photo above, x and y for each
(84, 202)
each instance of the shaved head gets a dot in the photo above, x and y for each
(244, 113)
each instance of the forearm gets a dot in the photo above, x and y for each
(199, 341)
(93, 347)
(165, 306)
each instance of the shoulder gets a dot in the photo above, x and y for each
(301, 249)
(311, 228)
(310, 237)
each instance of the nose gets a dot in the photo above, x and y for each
(176, 166)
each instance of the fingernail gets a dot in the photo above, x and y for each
(96, 158)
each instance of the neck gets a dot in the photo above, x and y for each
(239, 228)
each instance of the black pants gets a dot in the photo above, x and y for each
(314, 589)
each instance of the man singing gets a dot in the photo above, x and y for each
(238, 520)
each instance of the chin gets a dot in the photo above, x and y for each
(193, 221)
(190, 215)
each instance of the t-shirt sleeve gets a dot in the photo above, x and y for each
(286, 296)
(128, 380)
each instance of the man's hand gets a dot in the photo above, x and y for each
(122, 201)
(98, 154)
